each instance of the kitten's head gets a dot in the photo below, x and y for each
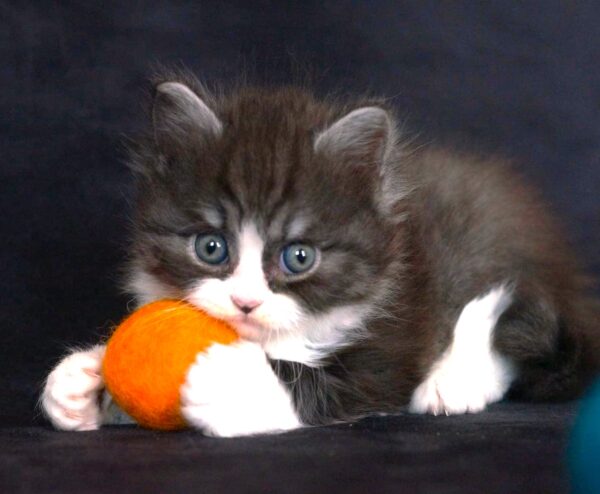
(267, 209)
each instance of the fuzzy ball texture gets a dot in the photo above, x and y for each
(149, 354)
(584, 446)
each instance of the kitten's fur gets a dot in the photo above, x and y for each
(441, 281)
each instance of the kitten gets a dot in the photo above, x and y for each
(363, 276)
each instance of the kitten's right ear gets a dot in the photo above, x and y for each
(362, 136)
(179, 114)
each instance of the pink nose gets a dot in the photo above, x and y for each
(246, 305)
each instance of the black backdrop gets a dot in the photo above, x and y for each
(519, 78)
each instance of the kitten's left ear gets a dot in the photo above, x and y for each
(362, 136)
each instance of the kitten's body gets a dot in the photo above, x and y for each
(439, 281)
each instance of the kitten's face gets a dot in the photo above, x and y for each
(259, 216)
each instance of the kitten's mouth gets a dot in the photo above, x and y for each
(246, 325)
(244, 318)
(248, 328)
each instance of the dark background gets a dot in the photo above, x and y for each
(518, 78)
(522, 80)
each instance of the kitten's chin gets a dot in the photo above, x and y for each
(249, 331)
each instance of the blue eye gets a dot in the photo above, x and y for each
(211, 248)
(298, 258)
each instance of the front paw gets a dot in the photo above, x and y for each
(471, 373)
(71, 395)
(231, 390)
(455, 388)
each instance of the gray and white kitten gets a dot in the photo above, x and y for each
(363, 276)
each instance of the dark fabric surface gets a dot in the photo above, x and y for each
(508, 449)
(522, 79)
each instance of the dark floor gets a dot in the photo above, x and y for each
(511, 448)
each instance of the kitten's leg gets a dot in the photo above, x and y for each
(547, 348)
(71, 396)
(471, 373)
(231, 390)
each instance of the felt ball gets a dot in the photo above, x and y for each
(584, 445)
(148, 356)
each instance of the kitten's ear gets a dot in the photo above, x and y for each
(367, 137)
(363, 135)
(179, 114)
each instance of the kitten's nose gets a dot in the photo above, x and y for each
(246, 305)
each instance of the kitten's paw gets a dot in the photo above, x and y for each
(448, 391)
(71, 395)
(231, 390)
(470, 374)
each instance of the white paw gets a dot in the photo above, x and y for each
(231, 390)
(470, 374)
(71, 395)
(452, 390)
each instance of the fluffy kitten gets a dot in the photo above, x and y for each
(364, 277)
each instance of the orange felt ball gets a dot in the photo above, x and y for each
(148, 356)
